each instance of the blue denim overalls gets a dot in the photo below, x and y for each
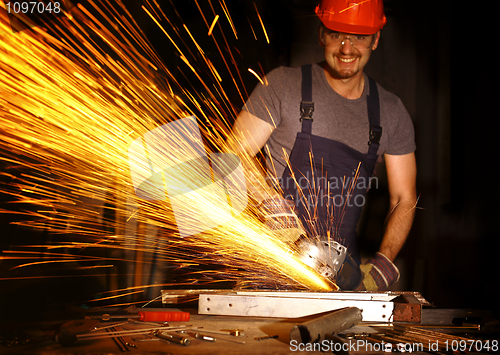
(332, 179)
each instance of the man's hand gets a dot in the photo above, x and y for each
(280, 216)
(378, 273)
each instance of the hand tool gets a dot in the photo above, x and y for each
(118, 341)
(203, 337)
(336, 321)
(126, 338)
(233, 332)
(410, 337)
(148, 316)
(330, 259)
(66, 338)
(128, 332)
(156, 324)
(173, 338)
(148, 338)
(108, 326)
(221, 332)
(232, 340)
(197, 335)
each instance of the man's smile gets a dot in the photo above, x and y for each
(347, 60)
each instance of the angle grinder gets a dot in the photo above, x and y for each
(331, 260)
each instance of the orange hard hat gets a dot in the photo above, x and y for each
(359, 16)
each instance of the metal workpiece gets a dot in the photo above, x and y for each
(325, 257)
(316, 329)
(376, 307)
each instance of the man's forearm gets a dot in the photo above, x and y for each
(248, 136)
(398, 225)
(255, 176)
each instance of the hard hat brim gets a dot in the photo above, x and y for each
(354, 29)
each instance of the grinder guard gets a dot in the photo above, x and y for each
(331, 260)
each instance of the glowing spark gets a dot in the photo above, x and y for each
(226, 12)
(354, 5)
(251, 27)
(116, 296)
(213, 70)
(192, 38)
(165, 32)
(213, 25)
(263, 74)
(261, 22)
(256, 75)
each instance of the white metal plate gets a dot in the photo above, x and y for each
(289, 307)
(343, 295)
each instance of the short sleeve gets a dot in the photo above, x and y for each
(402, 140)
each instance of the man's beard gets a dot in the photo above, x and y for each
(343, 74)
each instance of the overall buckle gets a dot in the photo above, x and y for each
(375, 134)
(306, 110)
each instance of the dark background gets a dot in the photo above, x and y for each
(439, 60)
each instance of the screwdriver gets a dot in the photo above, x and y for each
(149, 316)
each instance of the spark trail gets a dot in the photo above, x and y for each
(74, 95)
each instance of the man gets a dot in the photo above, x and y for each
(316, 122)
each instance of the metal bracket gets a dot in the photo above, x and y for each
(292, 305)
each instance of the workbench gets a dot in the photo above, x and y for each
(278, 329)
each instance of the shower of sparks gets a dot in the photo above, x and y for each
(74, 96)
(261, 22)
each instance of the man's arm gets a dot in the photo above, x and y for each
(247, 137)
(401, 176)
(249, 133)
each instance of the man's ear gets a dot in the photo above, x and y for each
(321, 28)
(376, 38)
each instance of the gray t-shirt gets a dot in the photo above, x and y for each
(334, 117)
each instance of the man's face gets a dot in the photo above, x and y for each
(346, 54)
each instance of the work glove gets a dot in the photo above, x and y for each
(280, 216)
(378, 273)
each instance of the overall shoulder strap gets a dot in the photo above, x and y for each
(306, 105)
(373, 104)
